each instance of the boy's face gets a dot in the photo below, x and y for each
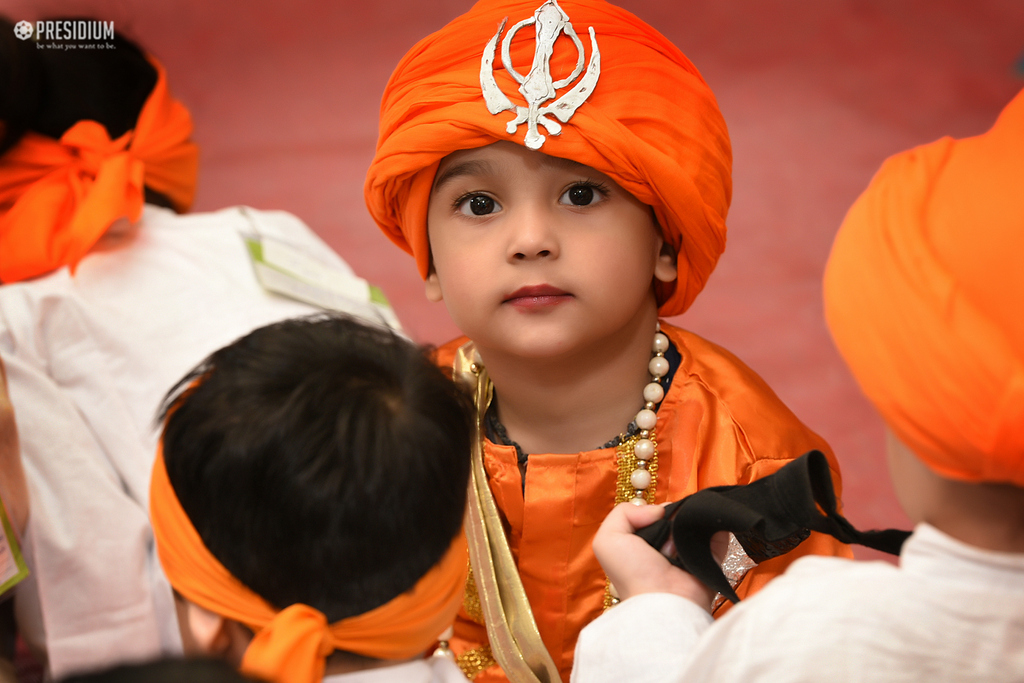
(537, 256)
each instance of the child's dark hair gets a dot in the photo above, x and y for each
(48, 91)
(169, 670)
(322, 461)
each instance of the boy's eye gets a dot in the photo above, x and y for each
(578, 195)
(478, 205)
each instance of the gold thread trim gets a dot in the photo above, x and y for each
(473, 662)
(624, 491)
(471, 599)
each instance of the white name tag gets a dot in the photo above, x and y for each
(287, 270)
(12, 565)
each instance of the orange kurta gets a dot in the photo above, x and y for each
(719, 424)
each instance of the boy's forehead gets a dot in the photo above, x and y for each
(494, 159)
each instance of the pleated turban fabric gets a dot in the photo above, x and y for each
(58, 197)
(650, 122)
(924, 295)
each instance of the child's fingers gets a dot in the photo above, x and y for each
(639, 516)
(626, 518)
(616, 534)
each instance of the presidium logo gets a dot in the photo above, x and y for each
(67, 34)
(23, 29)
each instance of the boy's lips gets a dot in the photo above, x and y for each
(537, 296)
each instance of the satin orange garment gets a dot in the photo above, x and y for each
(924, 296)
(651, 123)
(719, 424)
(290, 645)
(58, 197)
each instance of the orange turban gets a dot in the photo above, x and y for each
(290, 645)
(651, 123)
(924, 295)
(58, 197)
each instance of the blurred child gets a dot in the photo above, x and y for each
(557, 223)
(923, 295)
(308, 501)
(109, 295)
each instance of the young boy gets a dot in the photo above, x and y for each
(556, 224)
(107, 298)
(308, 501)
(923, 295)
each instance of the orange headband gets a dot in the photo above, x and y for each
(924, 294)
(651, 123)
(291, 645)
(58, 197)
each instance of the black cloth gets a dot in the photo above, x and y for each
(769, 517)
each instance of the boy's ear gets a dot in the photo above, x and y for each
(432, 286)
(203, 632)
(665, 268)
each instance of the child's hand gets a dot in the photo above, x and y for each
(633, 566)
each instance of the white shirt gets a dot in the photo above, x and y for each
(89, 357)
(429, 670)
(949, 612)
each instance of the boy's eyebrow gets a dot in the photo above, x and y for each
(569, 164)
(470, 167)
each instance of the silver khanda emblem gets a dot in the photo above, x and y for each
(537, 86)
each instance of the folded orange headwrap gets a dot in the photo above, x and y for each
(651, 123)
(291, 645)
(58, 197)
(924, 294)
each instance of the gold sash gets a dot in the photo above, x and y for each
(511, 628)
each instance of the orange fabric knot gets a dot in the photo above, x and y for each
(290, 645)
(291, 648)
(92, 147)
(671, 152)
(58, 197)
(923, 296)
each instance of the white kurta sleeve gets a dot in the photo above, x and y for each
(646, 638)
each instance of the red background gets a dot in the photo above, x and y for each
(816, 95)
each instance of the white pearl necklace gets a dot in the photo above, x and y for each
(646, 420)
(645, 449)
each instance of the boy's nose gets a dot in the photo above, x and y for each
(533, 237)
